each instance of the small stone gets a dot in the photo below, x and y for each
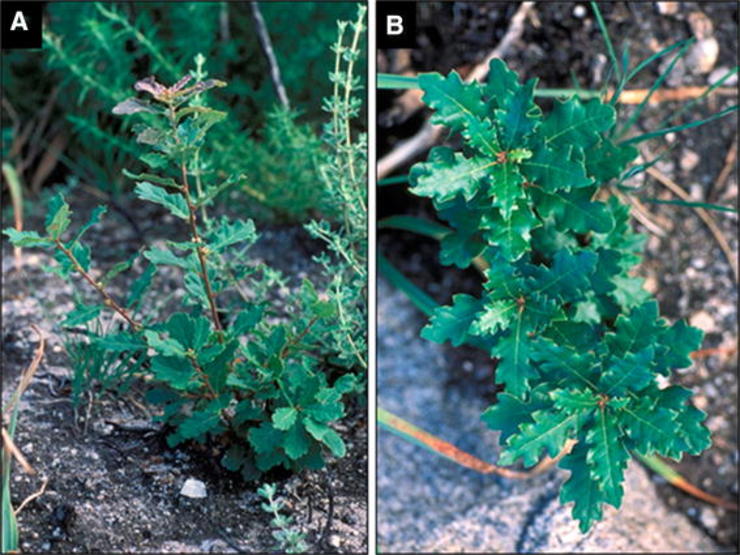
(335, 541)
(668, 8)
(702, 56)
(700, 402)
(719, 73)
(704, 321)
(701, 26)
(651, 284)
(195, 489)
(689, 160)
(699, 263)
(709, 518)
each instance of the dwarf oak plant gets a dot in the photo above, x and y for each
(243, 376)
(580, 345)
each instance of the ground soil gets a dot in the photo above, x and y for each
(113, 483)
(683, 265)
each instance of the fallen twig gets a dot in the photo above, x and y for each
(636, 96)
(721, 351)
(266, 45)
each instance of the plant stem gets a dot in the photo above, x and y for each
(297, 338)
(204, 377)
(347, 96)
(193, 221)
(107, 299)
(200, 250)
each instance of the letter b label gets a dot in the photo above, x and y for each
(396, 24)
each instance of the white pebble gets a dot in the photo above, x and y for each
(194, 489)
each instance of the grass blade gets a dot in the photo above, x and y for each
(395, 180)
(420, 226)
(706, 205)
(676, 128)
(676, 480)
(607, 40)
(421, 300)
(391, 81)
(640, 168)
(643, 64)
(10, 525)
(656, 85)
(693, 102)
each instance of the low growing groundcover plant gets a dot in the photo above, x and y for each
(222, 369)
(580, 346)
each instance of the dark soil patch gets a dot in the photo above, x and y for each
(683, 265)
(114, 484)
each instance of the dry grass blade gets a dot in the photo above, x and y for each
(28, 374)
(641, 214)
(705, 216)
(412, 433)
(16, 197)
(10, 446)
(33, 496)
(730, 161)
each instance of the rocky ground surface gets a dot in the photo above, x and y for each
(113, 484)
(445, 389)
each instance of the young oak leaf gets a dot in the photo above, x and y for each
(501, 83)
(448, 173)
(174, 202)
(636, 331)
(651, 428)
(511, 411)
(452, 323)
(549, 431)
(518, 116)
(506, 187)
(513, 349)
(574, 400)
(607, 456)
(574, 210)
(555, 170)
(581, 487)
(633, 372)
(453, 100)
(576, 123)
(510, 235)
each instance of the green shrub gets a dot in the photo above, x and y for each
(248, 375)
